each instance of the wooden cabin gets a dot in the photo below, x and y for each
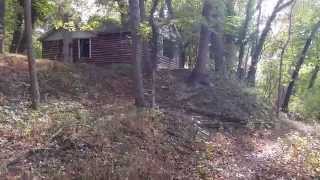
(95, 47)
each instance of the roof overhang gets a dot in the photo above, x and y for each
(59, 35)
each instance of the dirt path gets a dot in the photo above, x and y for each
(280, 153)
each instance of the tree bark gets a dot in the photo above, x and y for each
(251, 78)
(67, 40)
(35, 93)
(200, 71)
(178, 41)
(137, 52)
(314, 76)
(17, 32)
(155, 50)
(283, 51)
(295, 74)
(2, 25)
(123, 12)
(230, 47)
(170, 9)
(218, 51)
(147, 64)
(242, 38)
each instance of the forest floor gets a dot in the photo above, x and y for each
(88, 128)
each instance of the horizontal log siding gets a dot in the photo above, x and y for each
(110, 48)
(167, 63)
(105, 49)
(52, 50)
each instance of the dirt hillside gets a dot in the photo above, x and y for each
(88, 128)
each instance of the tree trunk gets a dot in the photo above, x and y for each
(178, 41)
(183, 55)
(2, 14)
(314, 76)
(137, 52)
(283, 50)
(242, 38)
(230, 50)
(154, 50)
(67, 40)
(17, 32)
(200, 71)
(35, 93)
(123, 12)
(218, 51)
(22, 45)
(251, 78)
(295, 74)
(147, 64)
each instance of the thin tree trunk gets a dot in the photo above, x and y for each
(242, 39)
(295, 74)
(67, 40)
(137, 52)
(251, 78)
(154, 50)
(17, 33)
(35, 93)
(147, 64)
(123, 12)
(22, 44)
(245, 68)
(257, 28)
(170, 9)
(230, 47)
(183, 55)
(218, 51)
(314, 76)
(2, 25)
(178, 43)
(283, 51)
(218, 41)
(200, 71)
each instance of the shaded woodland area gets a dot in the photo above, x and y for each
(179, 89)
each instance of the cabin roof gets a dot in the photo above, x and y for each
(54, 35)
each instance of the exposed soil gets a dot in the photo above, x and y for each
(88, 128)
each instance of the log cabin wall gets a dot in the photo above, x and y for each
(105, 48)
(167, 63)
(52, 50)
(111, 48)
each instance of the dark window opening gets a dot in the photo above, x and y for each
(84, 48)
(168, 47)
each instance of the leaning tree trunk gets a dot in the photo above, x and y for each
(35, 93)
(242, 38)
(283, 51)
(295, 74)
(2, 11)
(314, 76)
(137, 52)
(200, 71)
(251, 78)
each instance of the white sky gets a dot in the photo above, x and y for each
(92, 9)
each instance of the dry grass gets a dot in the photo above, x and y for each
(88, 128)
